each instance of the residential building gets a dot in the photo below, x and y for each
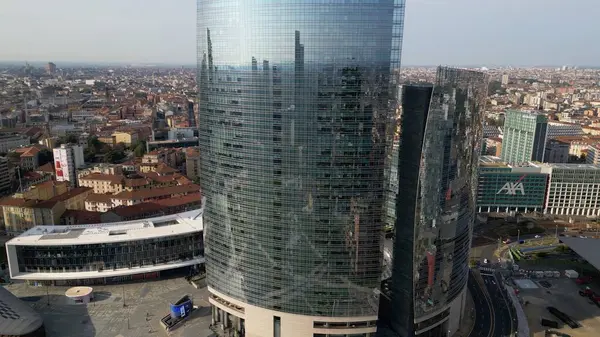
(104, 202)
(192, 163)
(525, 136)
(435, 205)
(43, 191)
(103, 168)
(125, 137)
(72, 255)
(29, 159)
(22, 214)
(103, 183)
(284, 134)
(504, 80)
(556, 151)
(67, 159)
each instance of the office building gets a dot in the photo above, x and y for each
(573, 189)
(12, 141)
(105, 253)
(557, 151)
(5, 176)
(593, 155)
(50, 68)
(67, 159)
(294, 98)
(525, 136)
(191, 114)
(440, 139)
(558, 129)
(504, 188)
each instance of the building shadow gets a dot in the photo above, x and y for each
(61, 318)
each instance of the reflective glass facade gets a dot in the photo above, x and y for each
(294, 96)
(109, 256)
(440, 139)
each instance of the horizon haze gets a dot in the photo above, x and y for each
(450, 32)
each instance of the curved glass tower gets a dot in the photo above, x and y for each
(437, 162)
(293, 104)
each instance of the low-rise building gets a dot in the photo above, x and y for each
(71, 255)
(102, 183)
(21, 214)
(192, 162)
(125, 137)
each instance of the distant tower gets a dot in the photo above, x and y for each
(191, 115)
(50, 68)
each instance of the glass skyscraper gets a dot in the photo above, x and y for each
(437, 160)
(294, 98)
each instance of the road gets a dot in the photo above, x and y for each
(503, 321)
(492, 315)
(484, 323)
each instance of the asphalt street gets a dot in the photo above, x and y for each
(484, 322)
(503, 323)
(492, 313)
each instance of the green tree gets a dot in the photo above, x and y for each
(140, 150)
(114, 156)
(89, 154)
(68, 139)
(94, 143)
(45, 156)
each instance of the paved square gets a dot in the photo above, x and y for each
(145, 304)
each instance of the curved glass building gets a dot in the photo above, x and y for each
(437, 162)
(294, 96)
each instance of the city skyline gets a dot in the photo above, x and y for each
(475, 34)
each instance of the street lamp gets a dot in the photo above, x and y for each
(557, 231)
(518, 235)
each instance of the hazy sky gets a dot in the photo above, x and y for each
(453, 32)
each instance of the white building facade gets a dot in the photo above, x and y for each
(573, 190)
(67, 159)
(111, 252)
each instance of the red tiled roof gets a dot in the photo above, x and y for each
(186, 199)
(136, 182)
(20, 202)
(163, 168)
(71, 194)
(115, 179)
(48, 168)
(156, 192)
(83, 217)
(138, 209)
(103, 198)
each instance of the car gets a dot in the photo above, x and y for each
(537, 236)
(507, 241)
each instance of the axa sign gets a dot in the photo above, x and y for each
(513, 188)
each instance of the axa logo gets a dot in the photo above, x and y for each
(513, 188)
